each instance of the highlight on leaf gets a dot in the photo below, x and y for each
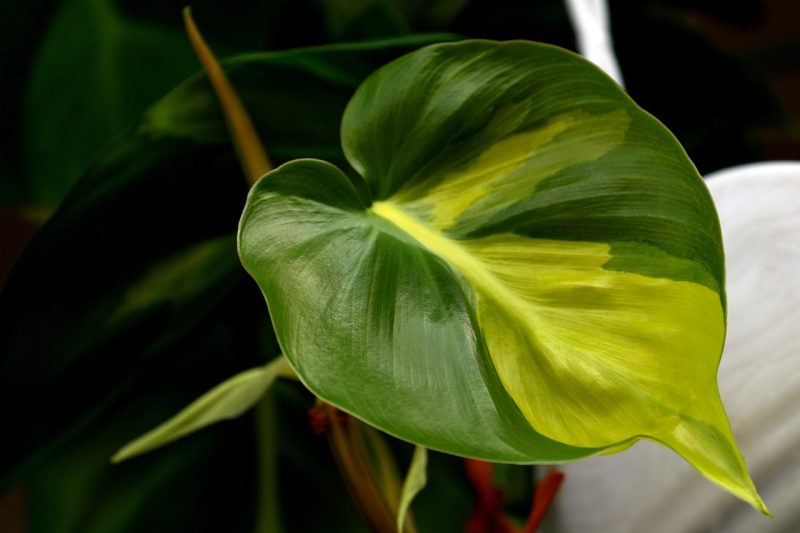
(535, 275)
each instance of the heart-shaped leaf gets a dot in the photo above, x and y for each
(536, 276)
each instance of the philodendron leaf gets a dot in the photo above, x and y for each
(537, 276)
(227, 400)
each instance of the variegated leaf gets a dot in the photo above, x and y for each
(532, 273)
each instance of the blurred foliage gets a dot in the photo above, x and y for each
(83, 71)
(127, 303)
(81, 337)
(104, 69)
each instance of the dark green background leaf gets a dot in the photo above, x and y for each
(138, 255)
(95, 73)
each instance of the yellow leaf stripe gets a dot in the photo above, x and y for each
(511, 169)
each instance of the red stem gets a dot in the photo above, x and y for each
(487, 517)
(546, 491)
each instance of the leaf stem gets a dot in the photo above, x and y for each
(268, 514)
(254, 159)
(487, 517)
(546, 491)
(352, 458)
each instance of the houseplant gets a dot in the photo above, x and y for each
(204, 254)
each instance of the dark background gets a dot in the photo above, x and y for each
(722, 75)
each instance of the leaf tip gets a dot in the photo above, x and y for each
(710, 447)
(124, 453)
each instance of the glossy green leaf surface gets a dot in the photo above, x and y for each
(535, 275)
(141, 252)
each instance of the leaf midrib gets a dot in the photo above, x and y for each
(479, 276)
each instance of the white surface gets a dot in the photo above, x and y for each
(593, 34)
(651, 489)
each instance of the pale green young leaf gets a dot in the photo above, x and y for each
(416, 479)
(227, 400)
